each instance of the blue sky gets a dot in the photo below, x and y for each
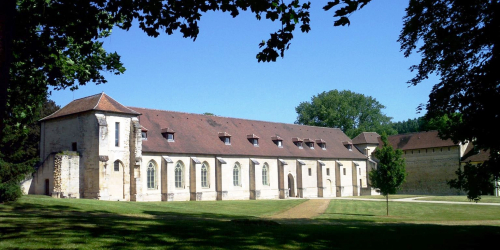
(218, 73)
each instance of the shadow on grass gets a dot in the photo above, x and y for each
(59, 227)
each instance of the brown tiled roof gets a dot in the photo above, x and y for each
(366, 138)
(167, 130)
(252, 136)
(99, 102)
(479, 156)
(199, 134)
(429, 139)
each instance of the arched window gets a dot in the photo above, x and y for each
(179, 175)
(117, 165)
(151, 176)
(236, 175)
(265, 175)
(204, 175)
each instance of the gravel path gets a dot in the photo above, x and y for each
(306, 210)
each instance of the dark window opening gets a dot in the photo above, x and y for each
(117, 166)
(117, 134)
(74, 146)
(310, 171)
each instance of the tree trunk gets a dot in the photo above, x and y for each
(387, 203)
(7, 12)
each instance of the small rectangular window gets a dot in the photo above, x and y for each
(117, 166)
(227, 140)
(279, 143)
(74, 146)
(323, 146)
(310, 171)
(170, 137)
(144, 135)
(255, 142)
(328, 171)
(299, 144)
(359, 171)
(344, 172)
(117, 134)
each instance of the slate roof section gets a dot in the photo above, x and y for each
(99, 102)
(199, 134)
(478, 156)
(429, 139)
(366, 138)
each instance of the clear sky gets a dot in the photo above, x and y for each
(218, 73)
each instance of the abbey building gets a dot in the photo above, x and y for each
(96, 148)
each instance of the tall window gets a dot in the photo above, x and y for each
(236, 175)
(178, 175)
(265, 175)
(117, 134)
(117, 165)
(204, 175)
(151, 176)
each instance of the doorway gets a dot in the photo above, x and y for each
(47, 187)
(291, 186)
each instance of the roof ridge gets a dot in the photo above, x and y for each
(412, 133)
(57, 111)
(98, 101)
(117, 102)
(180, 112)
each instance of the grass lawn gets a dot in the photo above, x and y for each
(36, 222)
(392, 196)
(406, 212)
(462, 198)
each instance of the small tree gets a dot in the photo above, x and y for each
(390, 172)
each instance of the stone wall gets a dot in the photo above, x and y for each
(429, 170)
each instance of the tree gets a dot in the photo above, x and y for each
(390, 172)
(56, 43)
(476, 180)
(351, 112)
(19, 152)
(459, 41)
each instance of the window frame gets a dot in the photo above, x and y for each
(179, 180)
(237, 175)
(204, 175)
(265, 175)
(151, 176)
(117, 134)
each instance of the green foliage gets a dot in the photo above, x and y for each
(19, 150)
(351, 112)
(390, 172)
(458, 41)
(476, 180)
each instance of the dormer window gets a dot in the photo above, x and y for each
(348, 145)
(278, 141)
(298, 142)
(225, 137)
(321, 143)
(253, 139)
(144, 134)
(168, 134)
(309, 143)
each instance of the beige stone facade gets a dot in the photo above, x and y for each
(97, 148)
